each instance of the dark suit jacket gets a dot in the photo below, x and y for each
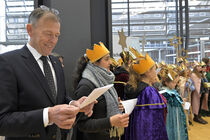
(24, 93)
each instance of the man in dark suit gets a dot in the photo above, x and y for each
(33, 98)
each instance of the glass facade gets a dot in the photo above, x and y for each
(155, 20)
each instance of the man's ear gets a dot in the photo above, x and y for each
(29, 29)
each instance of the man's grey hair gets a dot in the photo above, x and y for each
(37, 13)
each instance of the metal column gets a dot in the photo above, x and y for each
(128, 13)
(186, 24)
(181, 22)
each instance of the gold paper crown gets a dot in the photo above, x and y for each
(120, 62)
(171, 74)
(203, 64)
(144, 64)
(114, 62)
(98, 52)
(179, 60)
(196, 63)
(168, 73)
(172, 66)
(163, 63)
(127, 55)
(182, 68)
(131, 55)
(134, 51)
(186, 62)
(162, 72)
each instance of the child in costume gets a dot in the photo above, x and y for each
(147, 119)
(176, 120)
(196, 94)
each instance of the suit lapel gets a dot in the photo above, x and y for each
(34, 67)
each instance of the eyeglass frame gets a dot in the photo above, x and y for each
(54, 11)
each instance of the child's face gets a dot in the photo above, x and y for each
(172, 84)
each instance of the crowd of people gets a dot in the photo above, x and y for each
(34, 103)
(163, 92)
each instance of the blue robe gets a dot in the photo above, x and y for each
(147, 119)
(176, 120)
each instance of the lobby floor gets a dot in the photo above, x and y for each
(200, 131)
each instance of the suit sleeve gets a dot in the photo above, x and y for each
(13, 122)
(91, 124)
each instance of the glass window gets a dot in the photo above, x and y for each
(155, 20)
(13, 20)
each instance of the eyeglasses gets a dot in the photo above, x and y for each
(54, 11)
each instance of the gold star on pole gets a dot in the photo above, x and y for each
(186, 53)
(122, 39)
(175, 41)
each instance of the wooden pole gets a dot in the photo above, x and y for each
(189, 96)
(186, 111)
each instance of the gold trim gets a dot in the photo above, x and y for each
(151, 104)
(119, 82)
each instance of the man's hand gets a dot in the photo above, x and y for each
(88, 110)
(63, 115)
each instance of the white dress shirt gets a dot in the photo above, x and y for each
(37, 56)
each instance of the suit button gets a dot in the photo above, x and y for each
(54, 137)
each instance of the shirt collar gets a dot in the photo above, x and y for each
(34, 52)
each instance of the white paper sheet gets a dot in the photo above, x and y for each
(186, 106)
(162, 91)
(129, 105)
(97, 92)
